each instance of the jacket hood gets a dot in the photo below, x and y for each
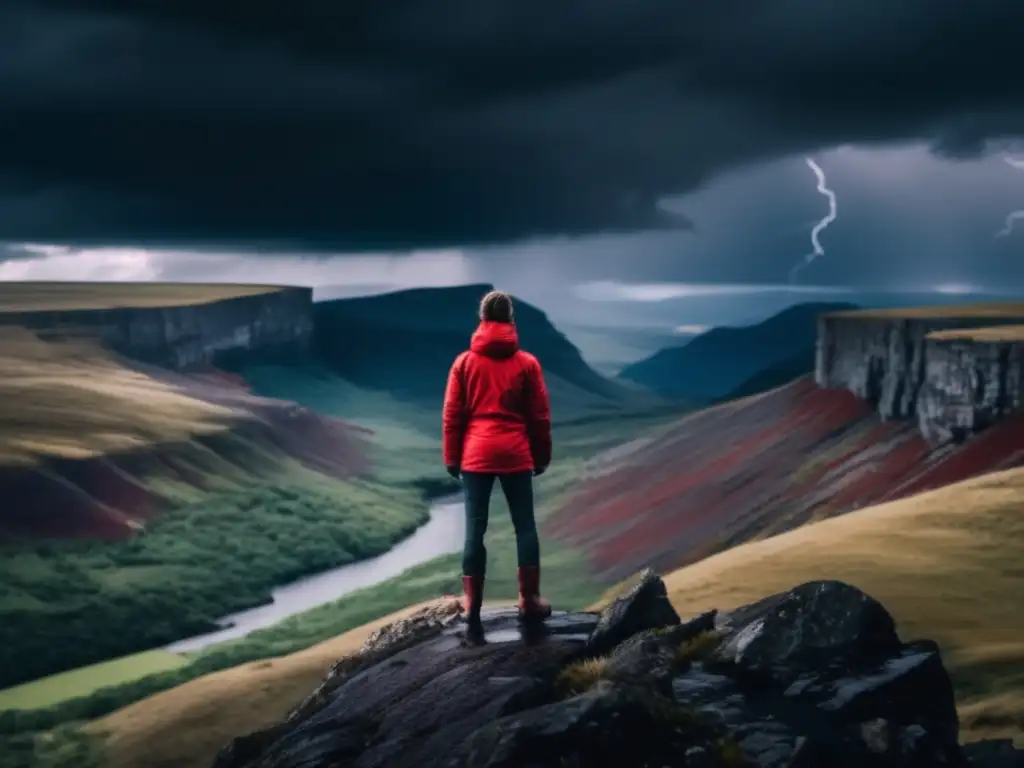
(498, 340)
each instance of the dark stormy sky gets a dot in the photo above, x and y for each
(583, 153)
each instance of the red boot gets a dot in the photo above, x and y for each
(473, 596)
(531, 604)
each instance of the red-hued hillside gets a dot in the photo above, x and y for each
(756, 467)
(91, 446)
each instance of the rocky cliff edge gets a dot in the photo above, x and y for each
(811, 678)
(954, 370)
(972, 379)
(272, 320)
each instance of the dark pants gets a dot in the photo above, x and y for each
(518, 490)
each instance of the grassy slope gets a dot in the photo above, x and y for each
(58, 296)
(233, 519)
(946, 563)
(86, 680)
(74, 400)
(776, 461)
(405, 435)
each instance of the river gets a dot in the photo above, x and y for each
(442, 534)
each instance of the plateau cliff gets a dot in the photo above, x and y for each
(264, 320)
(972, 379)
(932, 364)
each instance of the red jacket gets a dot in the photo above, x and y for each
(497, 417)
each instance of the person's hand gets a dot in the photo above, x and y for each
(538, 471)
(453, 471)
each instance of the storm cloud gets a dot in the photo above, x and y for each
(364, 125)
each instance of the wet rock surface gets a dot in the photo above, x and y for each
(813, 677)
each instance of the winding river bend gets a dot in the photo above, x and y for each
(442, 534)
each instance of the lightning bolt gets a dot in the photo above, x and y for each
(821, 225)
(1014, 216)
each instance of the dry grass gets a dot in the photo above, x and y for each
(987, 309)
(993, 334)
(580, 676)
(949, 564)
(41, 297)
(186, 726)
(697, 648)
(72, 399)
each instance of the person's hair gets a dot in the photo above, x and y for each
(496, 307)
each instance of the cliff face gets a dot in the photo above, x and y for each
(969, 384)
(187, 335)
(883, 359)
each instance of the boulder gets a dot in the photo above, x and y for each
(645, 606)
(818, 673)
(795, 631)
(814, 677)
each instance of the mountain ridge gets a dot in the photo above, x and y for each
(720, 361)
(432, 326)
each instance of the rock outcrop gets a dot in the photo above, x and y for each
(971, 381)
(274, 321)
(813, 677)
(903, 364)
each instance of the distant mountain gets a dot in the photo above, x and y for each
(718, 363)
(776, 374)
(406, 341)
(610, 348)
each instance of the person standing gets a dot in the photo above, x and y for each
(497, 425)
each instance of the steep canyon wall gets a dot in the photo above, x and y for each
(277, 321)
(954, 373)
(970, 383)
